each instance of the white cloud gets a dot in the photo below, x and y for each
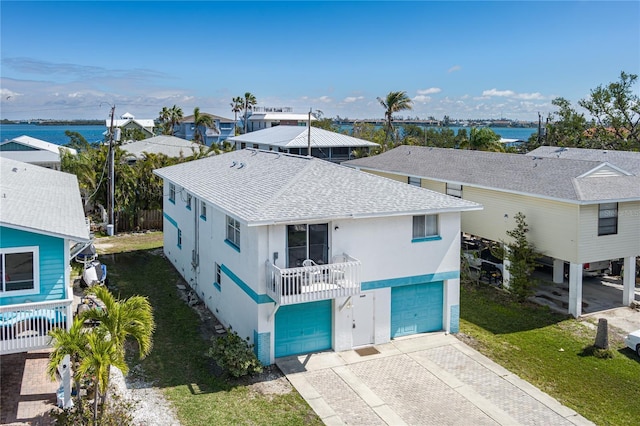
(6, 93)
(422, 98)
(351, 99)
(429, 91)
(454, 68)
(512, 94)
(325, 99)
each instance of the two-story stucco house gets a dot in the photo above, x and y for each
(42, 225)
(128, 122)
(303, 255)
(225, 128)
(579, 210)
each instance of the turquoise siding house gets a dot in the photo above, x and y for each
(42, 225)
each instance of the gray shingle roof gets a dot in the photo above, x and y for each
(41, 200)
(170, 146)
(549, 177)
(297, 137)
(266, 187)
(626, 160)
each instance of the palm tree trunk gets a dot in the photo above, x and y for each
(96, 392)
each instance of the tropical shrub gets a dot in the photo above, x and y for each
(234, 354)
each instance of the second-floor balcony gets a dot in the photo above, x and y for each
(311, 282)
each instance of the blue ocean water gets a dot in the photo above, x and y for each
(521, 133)
(52, 134)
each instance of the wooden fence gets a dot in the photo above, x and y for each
(140, 221)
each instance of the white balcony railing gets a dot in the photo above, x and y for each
(341, 278)
(24, 327)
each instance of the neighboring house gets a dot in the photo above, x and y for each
(225, 128)
(34, 151)
(325, 144)
(170, 146)
(128, 121)
(266, 117)
(42, 227)
(301, 255)
(578, 211)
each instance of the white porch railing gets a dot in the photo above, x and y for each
(24, 327)
(341, 278)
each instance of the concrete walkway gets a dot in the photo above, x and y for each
(431, 379)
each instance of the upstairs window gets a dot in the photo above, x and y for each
(425, 227)
(172, 193)
(203, 210)
(218, 277)
(414, 181)
(233, 232)
(19, 271)
(608, 219)
(189, 201)
(454, 190)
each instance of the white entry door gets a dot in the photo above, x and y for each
(363, 321)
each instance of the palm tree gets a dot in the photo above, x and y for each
(73, 343)
(101, 355)
(394, 102)
(200, 121)
(237, 104)
(175, 115)
(163, 118)
(248, 103)
(122, 319)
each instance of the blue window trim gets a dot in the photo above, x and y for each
(172, 201)
(170, 219)
(232, 245)
(421, 240)
(217, 286)
(188, 207)
(202, 217)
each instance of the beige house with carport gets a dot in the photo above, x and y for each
(582, 206)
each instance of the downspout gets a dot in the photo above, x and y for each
(196, 239)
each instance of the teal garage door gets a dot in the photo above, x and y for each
(416, 309)
(303, 328)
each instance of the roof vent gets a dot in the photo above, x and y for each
(240, 166)
(233, 164)
(15, 170)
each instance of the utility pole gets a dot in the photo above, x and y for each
(111, 199)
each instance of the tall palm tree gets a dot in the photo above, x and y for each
(73, 343)
(175, 115)
(101, 355)
(394, 102)
(201, 121)
(123, 319)
(248, 103)
(237, 104)
(163, 118)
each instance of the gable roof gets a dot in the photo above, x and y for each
(627, 160)
(190, 118)
(280, 116)
(296, 137)
(38, 144)
(41, 200)
(265, 187)
(547, 177)
(170, 146)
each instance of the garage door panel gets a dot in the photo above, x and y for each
(416, 309)
(303, 328)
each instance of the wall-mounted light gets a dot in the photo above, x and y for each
(506, 216)
(335, 228)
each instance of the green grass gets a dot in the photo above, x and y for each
(122, 243)
(548, 350)
(177, 363)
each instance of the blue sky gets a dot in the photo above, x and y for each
(475, 59)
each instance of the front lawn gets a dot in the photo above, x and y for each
(177, 363)
(546, 349)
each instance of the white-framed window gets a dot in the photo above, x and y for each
(454, 190)
(425, 226)
(203, 210)
(233, 232)
(415, 181)
(189, 201)
(20, 272)
(172, 193)
(608, 219)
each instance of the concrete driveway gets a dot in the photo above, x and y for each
(431, 379)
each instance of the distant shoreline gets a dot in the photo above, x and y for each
(56, 122)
